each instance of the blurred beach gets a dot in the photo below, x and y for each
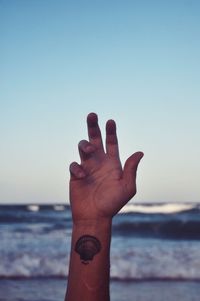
(54, 290)
(155, 252)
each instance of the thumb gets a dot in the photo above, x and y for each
(130, 170)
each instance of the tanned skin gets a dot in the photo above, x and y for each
(99, 188)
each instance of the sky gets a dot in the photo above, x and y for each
(137, 62)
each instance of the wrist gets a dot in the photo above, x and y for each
(92, 225)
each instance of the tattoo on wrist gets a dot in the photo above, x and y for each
(87, 247)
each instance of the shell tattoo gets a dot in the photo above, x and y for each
(87, 247)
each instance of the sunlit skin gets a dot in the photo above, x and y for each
(99, 186)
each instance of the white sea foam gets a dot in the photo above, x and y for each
(152, 262)
(34, 208)
(59, 207)
(173, 262)
(157, 208)
(32, 265)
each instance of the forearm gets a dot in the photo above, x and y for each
(89, 269)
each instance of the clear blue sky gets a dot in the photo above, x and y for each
(137, 62)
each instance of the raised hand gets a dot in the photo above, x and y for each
(99, 186)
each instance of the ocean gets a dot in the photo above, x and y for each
(155, 252)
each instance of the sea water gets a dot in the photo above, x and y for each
(150, 242)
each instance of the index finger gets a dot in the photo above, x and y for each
(94, 132)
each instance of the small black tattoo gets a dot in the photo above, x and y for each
(87, 246)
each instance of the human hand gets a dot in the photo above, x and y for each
(99, 187)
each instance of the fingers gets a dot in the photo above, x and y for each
(95, 138)
(86, 149)
(111, 139)
(130, 170)
(76, 171)
(94, 132)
